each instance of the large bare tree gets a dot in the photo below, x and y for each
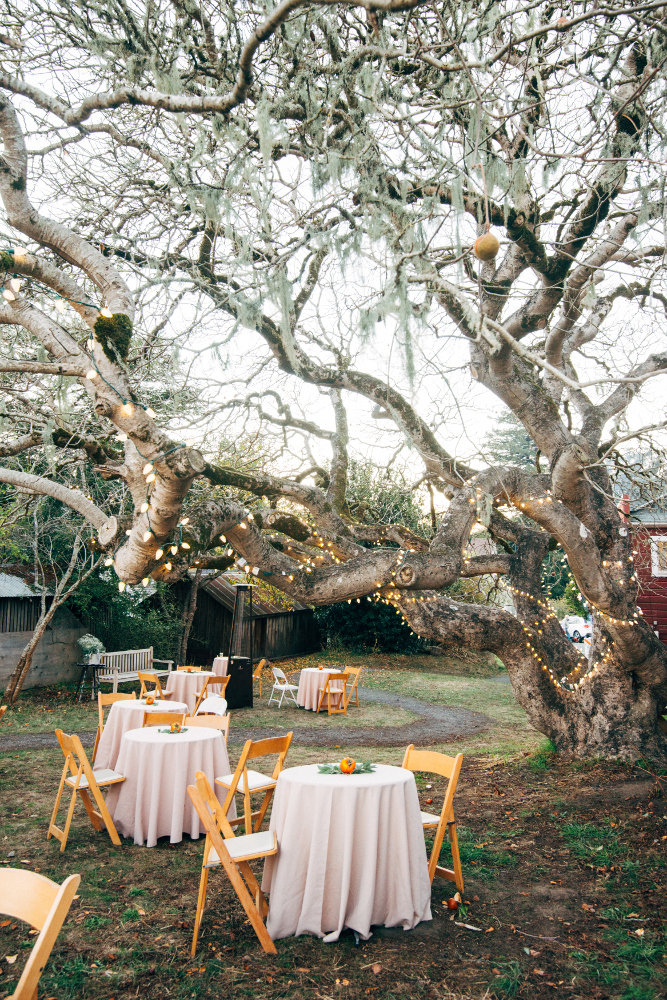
(308, 184)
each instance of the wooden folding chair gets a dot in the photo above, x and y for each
(163, 718)
(447, 767)
(3, 709)
(151, 678)
(44, 905)
(253, 781)
(334, 693)
(103, 700)
(220, 722)
(257, 675)
(354, 689)
(82, 780)
(191, 670)
(223, 849)
(211, 682)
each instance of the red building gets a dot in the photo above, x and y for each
(648, 523)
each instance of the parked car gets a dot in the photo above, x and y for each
(576, 628)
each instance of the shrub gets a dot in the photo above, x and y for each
(367, 623)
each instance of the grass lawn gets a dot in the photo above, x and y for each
(565, 865)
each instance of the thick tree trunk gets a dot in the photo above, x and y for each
(188, 617)
(608, 706)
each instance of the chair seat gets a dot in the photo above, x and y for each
(285, 687)
(253, 845)
(105, 776)
(256, 782)
(428, 819)
(214, 704)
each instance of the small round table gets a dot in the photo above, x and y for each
(153, 801)
(123, 717)
(310, 682)
(351, 853)
(219, 667)
(186, 687)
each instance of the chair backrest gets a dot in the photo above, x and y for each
(354, 672)
(258, 669)
(162, 718)
(3, 709)
(436, 763)
(278, 674)
(265, 748)
(42, 903)
(75, 755)
(104, 700)
(214, 704)
(213, 803)
(220, 722)
(149, 678)
(126, 661)
(336, 677)
(190, 669)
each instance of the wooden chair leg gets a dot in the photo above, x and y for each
(247, 810)
(456, 858)
(94, 817)
(262, 810)
(97, 743)
(254, 887)
(106, 818)
(252, 913)
(68, 822)
(53, 829)
(201, 899)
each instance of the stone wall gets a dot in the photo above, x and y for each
(55, 658)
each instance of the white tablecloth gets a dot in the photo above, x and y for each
(310, 682)
(187, 687)
(351, 853)
(124, 716)
(153, 801)
(219, 667)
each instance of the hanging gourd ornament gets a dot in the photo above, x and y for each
(486, 247)
(347, 765)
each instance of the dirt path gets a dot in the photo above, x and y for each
(436, 724)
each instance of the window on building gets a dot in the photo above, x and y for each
(659, 555)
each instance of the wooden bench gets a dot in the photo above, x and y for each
(125, 665)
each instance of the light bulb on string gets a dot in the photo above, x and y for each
(150, 412)
(151, 478)
(190, 442)
(121, 586)
(9, 295)
(121, 436)
(148, 535)
(184, 520)
(90, 343)
(106, 312)
(127, 409)
(144, 507)
(148, 467)
(159, 553)
(108, 562)
(144, 582)
(92, 374)
(15, 285)
(167, 565)
(19, 253)
(60, 306)
(174, 550)
(184, 545)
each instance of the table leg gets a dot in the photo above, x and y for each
(82, 684)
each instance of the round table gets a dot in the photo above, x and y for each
(124, 716)
(310, 682)
(187, 687)
(351, 853)
(153, 801)
(219, 667)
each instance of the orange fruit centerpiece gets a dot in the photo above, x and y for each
(347, 765)
(175, 727)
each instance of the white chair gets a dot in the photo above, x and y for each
(213, 705)
(283, 685)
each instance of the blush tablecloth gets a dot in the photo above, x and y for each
(153, 801)
(351, 853)
(219, 667)
(187, 687)
(124, 716)
(310, 682)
